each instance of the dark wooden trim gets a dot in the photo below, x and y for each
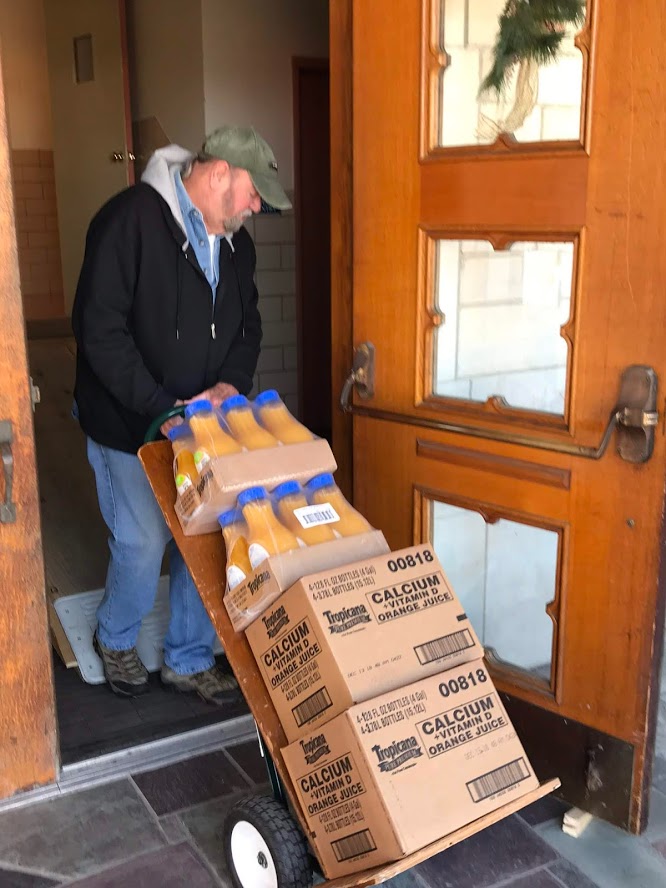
(129, 138)
(49, 328)
(594, 768)
(298, 227)
(299, 65)
(342, 255)
(312, 240)
(498, 465)
(643, 765)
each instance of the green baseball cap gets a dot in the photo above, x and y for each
(243, 147)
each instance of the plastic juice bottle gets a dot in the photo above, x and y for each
(185, 470)
(274, 415)
(266, 535)
(304, 520)
(323, 491)
(239, 416)
(210, 438)
(234, 530)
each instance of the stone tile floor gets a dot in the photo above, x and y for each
(163, 828)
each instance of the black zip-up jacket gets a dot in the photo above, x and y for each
(143, 317)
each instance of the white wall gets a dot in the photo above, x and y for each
(164, 40)
(248, 47)
(23, 37)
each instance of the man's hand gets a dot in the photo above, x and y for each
(218, 393)
(173, 422)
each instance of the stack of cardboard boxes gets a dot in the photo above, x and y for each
(397, 736)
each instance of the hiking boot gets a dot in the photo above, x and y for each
(123, 670)
(212, 685)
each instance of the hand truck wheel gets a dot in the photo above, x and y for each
(264, 846)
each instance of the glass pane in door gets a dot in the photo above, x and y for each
(537, 103)
(502, 313)
(505, 573)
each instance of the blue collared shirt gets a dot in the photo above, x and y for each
(197, 234)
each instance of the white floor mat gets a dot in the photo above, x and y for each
(77, 615)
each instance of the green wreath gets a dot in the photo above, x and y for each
(530, 31)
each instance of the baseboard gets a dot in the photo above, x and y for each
(49, 328)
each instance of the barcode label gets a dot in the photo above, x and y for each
(313, 516)
(353, 846)
(313, 706)
(495, 781)
(439, 648)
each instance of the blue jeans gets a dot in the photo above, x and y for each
(139, 537)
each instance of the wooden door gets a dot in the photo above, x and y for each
(92, 131)
(27, 707)
(505, 284)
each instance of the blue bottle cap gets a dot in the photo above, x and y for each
(198, 407)
(231, 516)
(233, 402)
(319, 481)
(179, 431)
(252, 495)
(270, 396)
(287, 488)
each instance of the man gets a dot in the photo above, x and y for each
(165, 312)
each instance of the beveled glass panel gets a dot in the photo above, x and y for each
(468, 30)
(502, 313)
(505, 575)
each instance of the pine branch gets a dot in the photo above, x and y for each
(530, 29)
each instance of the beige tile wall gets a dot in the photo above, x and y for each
(37, 234)
(276, 282)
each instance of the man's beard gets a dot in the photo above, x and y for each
(235, 223)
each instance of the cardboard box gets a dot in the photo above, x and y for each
(247, 601)
(394, 774)
(342, 636)
(226, 476)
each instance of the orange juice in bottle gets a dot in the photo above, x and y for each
(235, 532)
(185, 470)
(210, 438)
(266, 535)
(238, 414)
(307, 522)
(324, 492)
(274, 415)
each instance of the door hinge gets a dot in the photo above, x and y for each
(7, 508)
(35, 394)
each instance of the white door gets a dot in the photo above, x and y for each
(87, 59)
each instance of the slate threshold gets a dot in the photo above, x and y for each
(142, 757)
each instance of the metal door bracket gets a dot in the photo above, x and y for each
(638, 416)
(7, 508)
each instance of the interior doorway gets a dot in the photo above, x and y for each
(91, 720)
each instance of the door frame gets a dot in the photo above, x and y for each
(342, 205)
